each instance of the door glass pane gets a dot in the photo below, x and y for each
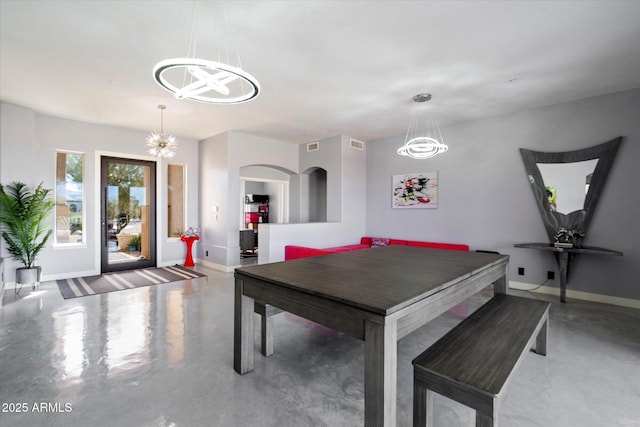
(128, 193)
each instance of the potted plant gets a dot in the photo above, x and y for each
(134, 243)
(22, 215)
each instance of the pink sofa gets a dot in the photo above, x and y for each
(295, 252)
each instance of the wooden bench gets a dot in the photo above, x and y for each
(473, 363)
(266, 311)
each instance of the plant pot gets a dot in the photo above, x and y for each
(29, 276)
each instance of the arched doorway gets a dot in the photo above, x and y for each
(317, 194)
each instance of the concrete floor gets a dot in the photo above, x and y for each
(163, 356)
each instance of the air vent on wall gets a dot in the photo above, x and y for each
(358, 145)
(313, 146)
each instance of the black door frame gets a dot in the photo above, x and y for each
(151, 261)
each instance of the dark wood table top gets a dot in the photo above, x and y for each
(381, 280)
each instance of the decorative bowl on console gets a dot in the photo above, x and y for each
(566, 238)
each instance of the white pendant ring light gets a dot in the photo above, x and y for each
(422, 148)
(423, 139)
(210, 80)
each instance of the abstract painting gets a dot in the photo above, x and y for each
(415, 190)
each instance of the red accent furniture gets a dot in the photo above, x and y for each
(295, 252)
(188, 261)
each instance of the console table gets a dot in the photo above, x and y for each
(564, 257)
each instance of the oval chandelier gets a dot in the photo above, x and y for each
(209, 81)
(424, 139)
(162, 144)
(204, 80)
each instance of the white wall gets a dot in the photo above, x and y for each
(225, 158)
(221, 159)
(214, 209)
(346, 189)
(328, 156)
(485, 199)
(28, 142)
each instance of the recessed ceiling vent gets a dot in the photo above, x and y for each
(313, 146)
(357, 145)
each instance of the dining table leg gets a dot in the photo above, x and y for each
(243, 330)
(380, 373)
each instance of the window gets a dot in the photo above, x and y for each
(175, 200)
(69, 197)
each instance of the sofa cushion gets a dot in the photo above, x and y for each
(379, 242)
(346, 248)
(398, 242)
(295, 252)
(366, 241)
(448, 246)
(369, 241)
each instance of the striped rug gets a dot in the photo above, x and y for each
(92, 285)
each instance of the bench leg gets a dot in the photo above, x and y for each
(541, 339)
(266, 330)
(266, 335)
(422, 406)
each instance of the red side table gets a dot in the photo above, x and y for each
(188, 261)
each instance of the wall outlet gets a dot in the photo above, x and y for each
(551, 275)
(520, 271)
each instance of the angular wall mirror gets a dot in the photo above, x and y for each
(567, 185)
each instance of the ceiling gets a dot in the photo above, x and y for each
(325, 67)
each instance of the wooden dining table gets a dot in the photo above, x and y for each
(378, 295)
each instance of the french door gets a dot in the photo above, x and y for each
(128, 213)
